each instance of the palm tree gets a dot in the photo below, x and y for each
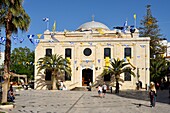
(158, 69)
(116, 68)
(13, 17)
(56, 64)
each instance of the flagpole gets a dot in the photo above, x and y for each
(47, 22)
(48, 25)
(135, 23)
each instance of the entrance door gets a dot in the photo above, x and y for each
(87, 76)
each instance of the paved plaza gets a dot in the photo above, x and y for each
(48, 101)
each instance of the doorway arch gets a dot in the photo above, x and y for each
(87, 76)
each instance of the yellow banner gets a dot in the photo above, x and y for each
(134, 16)
(54, 26)
(39, 36)
(100, 30)
(107, 61)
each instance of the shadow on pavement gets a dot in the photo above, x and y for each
(140, 105)
(162, 95)
(95, 96)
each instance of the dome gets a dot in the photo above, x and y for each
(93, 25)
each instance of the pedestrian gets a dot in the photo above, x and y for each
(152, 94)
(110, 89)
(104, 88)
(10, 95)
(61, 85)
(157, 85)
(140, 84)
(11, 86)
(22, 83)
(100, 90)
(90, 85)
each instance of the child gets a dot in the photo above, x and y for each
(100, 90)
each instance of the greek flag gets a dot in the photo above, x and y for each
(125, 26)
(21, 40)
(36, 41)
(2, 39)
(30, 37)
(15, 39)
(45, 19)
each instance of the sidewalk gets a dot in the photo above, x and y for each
(46, 101)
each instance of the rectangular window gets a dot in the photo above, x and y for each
(107, 52)
(107, 77)
(68, 53)
(127, 52)
(67, 77)
(127, 76)
(48, 52)
(48, 74)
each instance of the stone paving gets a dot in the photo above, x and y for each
(46, 101)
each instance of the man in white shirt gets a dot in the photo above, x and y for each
(104, 87)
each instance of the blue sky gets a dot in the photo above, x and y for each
(70, 14)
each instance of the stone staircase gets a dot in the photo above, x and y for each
(79, 88)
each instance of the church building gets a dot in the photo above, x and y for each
(89, 48)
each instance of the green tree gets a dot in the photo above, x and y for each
(151, 29)
(13, 17)
(56, 64)
(116, 68)
(22, 60)
(158, 69)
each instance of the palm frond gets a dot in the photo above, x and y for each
(55, 63)
(116, 68)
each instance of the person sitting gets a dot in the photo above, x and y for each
(10, 96)
(61, 85)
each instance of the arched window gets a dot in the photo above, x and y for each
(107, 52)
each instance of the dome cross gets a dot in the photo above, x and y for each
(93, 17)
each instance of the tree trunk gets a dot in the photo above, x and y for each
(117, 85)
(4, 91)
(54, 83)
(6, 61)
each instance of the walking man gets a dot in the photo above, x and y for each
(104, 88)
